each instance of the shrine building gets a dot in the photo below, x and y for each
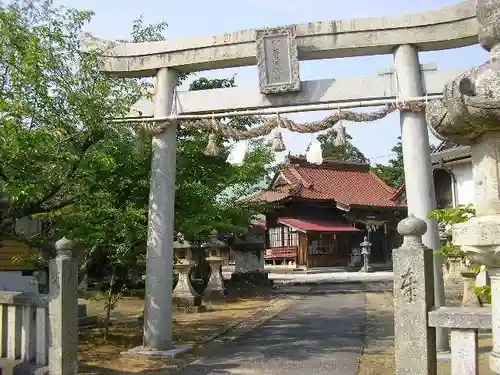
(317, 215)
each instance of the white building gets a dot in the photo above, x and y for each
(452, 175)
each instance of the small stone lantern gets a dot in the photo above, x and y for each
(184, 296)
(365, 252)
(215, 257)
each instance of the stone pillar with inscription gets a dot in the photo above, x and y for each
(469, 114)
(63, 311)
(414, 340)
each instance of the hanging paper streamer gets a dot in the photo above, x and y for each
(314, 153)
(212, 148)
(238, 152)
(340, 139)
(277, 144)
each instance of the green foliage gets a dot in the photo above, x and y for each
(88, 180)
(449, 251)
(209, 189)
(348, 152)
(484, 293)
(450, 216)
(393, 173)
(33, 261)
(453, 215)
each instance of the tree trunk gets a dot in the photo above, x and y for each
(109, 304)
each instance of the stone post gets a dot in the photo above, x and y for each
(215, 287)
(158, 299)
(365, 251)
(249, 267)
(63, 311)
(414, 340)
(419, 183)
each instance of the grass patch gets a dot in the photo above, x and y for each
(97, 356)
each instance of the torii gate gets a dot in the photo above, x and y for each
(277, 53)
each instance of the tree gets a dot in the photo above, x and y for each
(83, 177)
(66, 165)
(393, 173)
(348, 152)
(208, 188)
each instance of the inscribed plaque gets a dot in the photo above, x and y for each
(277, 60)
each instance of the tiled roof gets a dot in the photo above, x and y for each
(346, 183)
(317, 225)
(274, 195)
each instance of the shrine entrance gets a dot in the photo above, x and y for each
(276, 51)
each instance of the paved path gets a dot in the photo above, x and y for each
(329, 277)
(321, 334)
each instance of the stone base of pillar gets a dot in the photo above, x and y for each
(175, 351)
(257, 278)
(366, 269)
(188, 304)
(184, 297)
(355, 261)
(215, 287)
(495, 362)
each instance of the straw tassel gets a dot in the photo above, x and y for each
(140, 136)
(340, 139)
(212, 148)
(277, 144)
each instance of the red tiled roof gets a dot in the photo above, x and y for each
(269, 195)
(346, 183)
(317, 225)
(259, 224)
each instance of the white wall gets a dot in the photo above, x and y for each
(464, 183)
(15, 281)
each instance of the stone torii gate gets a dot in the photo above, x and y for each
(277, 53)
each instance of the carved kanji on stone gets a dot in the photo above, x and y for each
(408, 280)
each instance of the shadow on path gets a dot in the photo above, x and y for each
(321, 334)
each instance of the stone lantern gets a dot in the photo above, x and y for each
(469, 114)
(215, 257)
(365, 252)
(184, 296)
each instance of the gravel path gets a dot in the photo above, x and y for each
(321, 334)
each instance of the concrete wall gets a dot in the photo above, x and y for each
(464, 185)
(15, 281)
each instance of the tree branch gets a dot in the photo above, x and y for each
(36, 207)
(39, 209)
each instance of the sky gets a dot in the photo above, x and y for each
(190, 18)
